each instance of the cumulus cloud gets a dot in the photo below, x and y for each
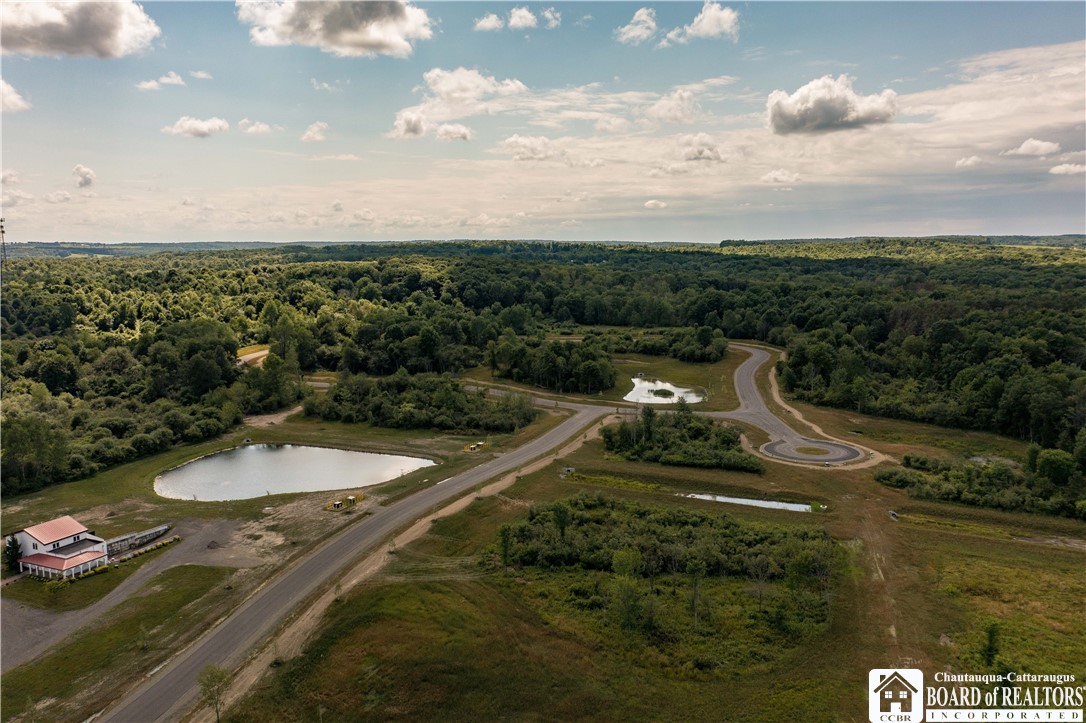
(655, 204)
(1067, 169)
(170, 78)
(9, 178)
(57, 197)
(337, 206)
(84, 177)
(531, 148)
(454, 132)
(780, 177)
(99, 29)
(12, 101)
(968, 162)
(714, 21)
(828, 104)
(340, 27)
(15, 197)
(1033, 147)
(200, 74)
(553, 18)
(639, 29)
(408, 124)
(489, 23)
(315, 132)
(452, 94)
(678, 106)
(196, 128)
(700, 147)
(256, 128)
(521, 19)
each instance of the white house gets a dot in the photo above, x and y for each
(60, 548)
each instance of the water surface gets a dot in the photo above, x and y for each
(260, 469)
(642, 392)
(771, 504)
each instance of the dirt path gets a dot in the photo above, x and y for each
(290, 641)
(269, 420)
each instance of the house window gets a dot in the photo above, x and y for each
(903, 694)
(56, 545)
(888, 694)
(35, 545)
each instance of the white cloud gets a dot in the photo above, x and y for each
(337, 157)
(170, 78)
(700, 147)
(1033, 147)
(15, 197)
(584, 21)
(1067, 169)
(321, 86)
(489, 23)
(315, 132)
(197, 128)
(408, 124)
(968, 162)
(99, 29)
(678, 106)
(828, 104)
(256, 128)
(337, 206)
(9, 178)
(85, 177)
(57, 197)
(553, 18)
(201, 74)
(453, 94)
(655, 204)
(714, 21)
(12, 101)
(531, 148)
(340, 27)
(521, 19)
(640, 28)
(780, 177)
(454, 132)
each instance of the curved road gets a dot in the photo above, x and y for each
(784, 442)
(172, 691)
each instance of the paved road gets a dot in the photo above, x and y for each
(784, 442)
(172, 691)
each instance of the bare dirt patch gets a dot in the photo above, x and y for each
(269, 420)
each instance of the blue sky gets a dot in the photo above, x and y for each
(187, 121)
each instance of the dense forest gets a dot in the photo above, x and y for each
(107, 359)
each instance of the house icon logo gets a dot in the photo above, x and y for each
(895, 695)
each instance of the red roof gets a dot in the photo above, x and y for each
(61, 563)
(53, 530)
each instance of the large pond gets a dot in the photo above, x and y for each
(654, 391)
(261, 469)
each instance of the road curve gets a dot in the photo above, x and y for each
(784, 442)
(172, 691)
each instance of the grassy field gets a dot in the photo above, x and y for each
(86, 674)
(714, 379)
(436, 637)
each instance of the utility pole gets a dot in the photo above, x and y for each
(3, 246)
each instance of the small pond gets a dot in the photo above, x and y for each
(259, 469)
(654, 391)
(771, 504)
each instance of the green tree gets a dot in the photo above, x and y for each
(12, 552)
(1057, 466)
(696, 569)
(213, 680)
